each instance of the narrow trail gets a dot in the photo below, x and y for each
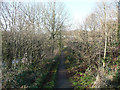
(61, 80)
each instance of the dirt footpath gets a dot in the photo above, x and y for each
(61, 79)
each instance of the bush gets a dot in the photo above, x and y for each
(82, 80)
(25, 78)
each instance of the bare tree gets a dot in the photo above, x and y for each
(54, 20)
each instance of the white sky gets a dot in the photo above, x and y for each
(80, 9)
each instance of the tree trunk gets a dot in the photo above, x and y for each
(53, 42)
(105, 29)
(118, 27)
(53, 29)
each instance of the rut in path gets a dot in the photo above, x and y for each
(61, 79)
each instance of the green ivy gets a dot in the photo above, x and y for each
(82, 81)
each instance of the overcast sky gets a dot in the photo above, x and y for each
(80, 9)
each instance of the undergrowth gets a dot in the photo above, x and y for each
(35, 77)
(52, 78)
(82, 80)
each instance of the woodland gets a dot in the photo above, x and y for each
(33, 36)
